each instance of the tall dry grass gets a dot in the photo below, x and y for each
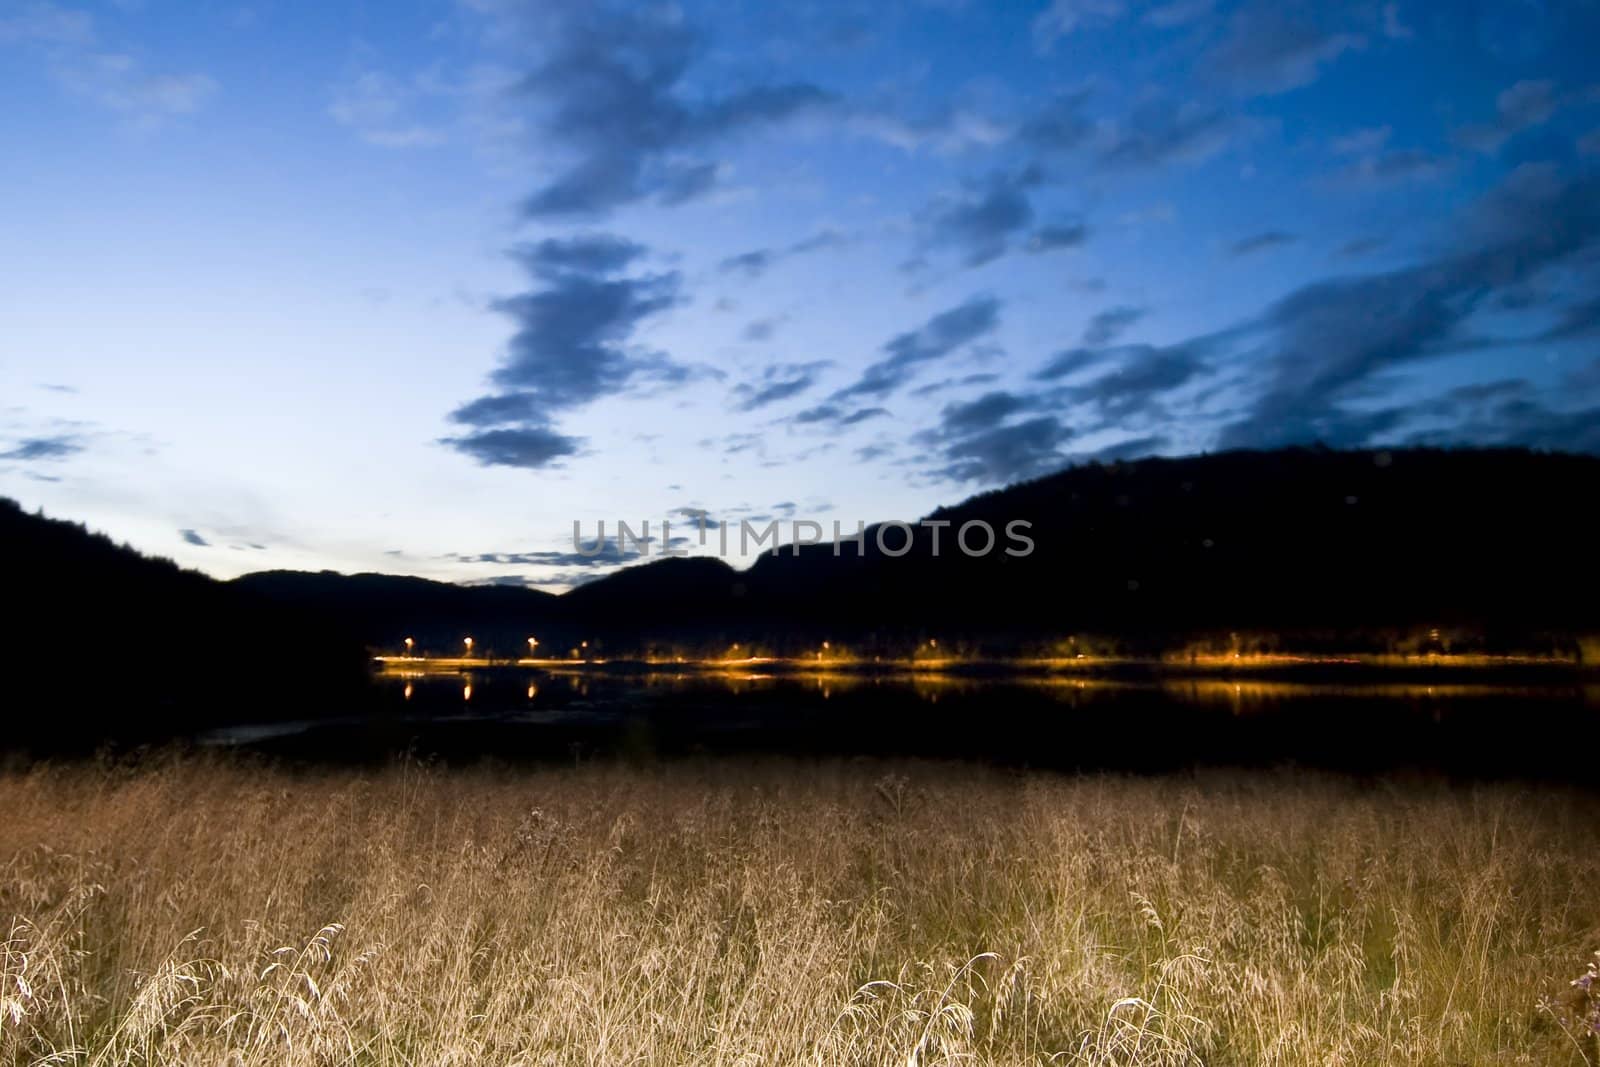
(197, 911)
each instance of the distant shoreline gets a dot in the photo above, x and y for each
(1354, 669)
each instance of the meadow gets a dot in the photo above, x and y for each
(192, 909)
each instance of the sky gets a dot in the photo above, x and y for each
(415, 286)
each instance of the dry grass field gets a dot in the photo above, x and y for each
(204, 911)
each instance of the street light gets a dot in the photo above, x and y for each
(533, 643)
(409, 643)
(468, 643)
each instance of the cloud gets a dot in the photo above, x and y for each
(1057, 236)
(1143, 376)
(1005, 454)
(1063, 17)
(190, 537)
(1068, 362)
(1261, 242)
(1132, 448)
(610, 96)
(980, 223)
(596, 552)
(1393, 167)
(1160, 131)
(758, 261)
(531, 447)
(1327, 342)
(778, 382)
(1059, 126)
(1106, 326)
(1178, 13)
(378, 107)
(941, 335)
(985, 412)
(1393, 28)
(1360, 246)
(758, 330)
(33, 449)
(1272, 49)
(839, 416)
(1507, 413)
(1519, 107)
(572, 345)
(1581, 319)
(84, 64)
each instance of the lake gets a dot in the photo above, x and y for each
(1469, 729)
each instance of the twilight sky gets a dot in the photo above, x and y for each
(412, 286)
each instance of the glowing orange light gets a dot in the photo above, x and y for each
(466, 691)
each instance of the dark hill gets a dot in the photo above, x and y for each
(118, 639)
(1303, 540)
(382, 610)
(1330, 548)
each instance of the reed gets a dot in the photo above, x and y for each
(203, 910)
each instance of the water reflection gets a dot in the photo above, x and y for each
(1065, 719)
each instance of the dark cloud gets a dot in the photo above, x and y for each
(1327, 342)
(1104, 328)
(1060, 126)
(941, 335)
(1520, 107)
(609, 96)
(1144, 375)
(1581, 319)
(1360, 246)
(986, 411)
(1178, 13)
(1397, 165)
(1275, 47)
(758, 330)
(838, 416)
(778, 382)
(758, 261)
(572, 345)
(1067, 362)
(590, 253)
(525, 446)
(1057, 236)
(1132, 448)
(190, 537)
(950, 383)
(1005, 454)
(983, 440)
(1503, 413)
(751, 264)
(1161, 131)
(596, 552)
(31, 449)
(1261, 242)
(863, 415)
(981, 222)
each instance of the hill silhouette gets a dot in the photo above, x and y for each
(1313, 548)
(103, 637)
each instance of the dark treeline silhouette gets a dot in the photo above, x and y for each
(1305, 549)
(101, 639)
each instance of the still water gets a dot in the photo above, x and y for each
(1548, 730)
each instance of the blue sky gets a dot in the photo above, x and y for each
(413, 286)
